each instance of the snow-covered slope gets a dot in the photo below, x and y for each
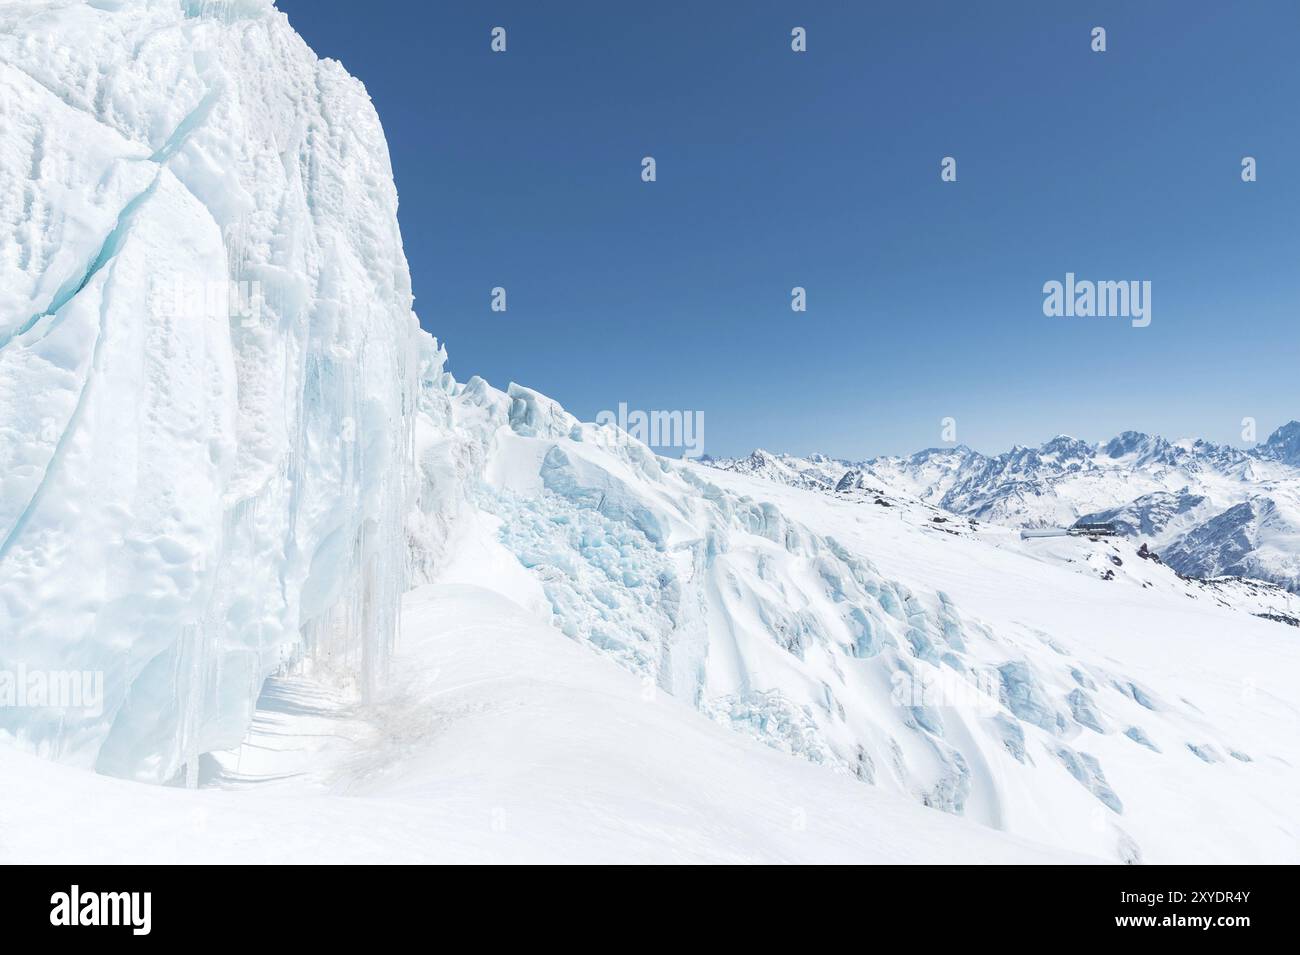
(498, 741)
(1210, 510)
(195, 502)
(946, 662)
(198, 483)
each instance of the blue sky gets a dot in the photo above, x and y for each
(821, 169)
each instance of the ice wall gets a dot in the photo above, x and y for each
(208, 371)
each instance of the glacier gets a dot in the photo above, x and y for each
(962, 669)
(231, 457)
(193, 495)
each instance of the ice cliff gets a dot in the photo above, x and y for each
(208, 366)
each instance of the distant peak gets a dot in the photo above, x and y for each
(1128, 442)
(1288, 432)
(957, 449)
(1284, 443)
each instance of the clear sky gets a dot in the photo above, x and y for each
(822, 169)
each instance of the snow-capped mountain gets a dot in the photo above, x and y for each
(222, 514)
(1209, 509)
(815, 472)
(1283, 445)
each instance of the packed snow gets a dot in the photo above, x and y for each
(498, 740)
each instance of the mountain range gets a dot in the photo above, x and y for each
(1209, 510)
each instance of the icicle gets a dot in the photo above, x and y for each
(192, 653)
